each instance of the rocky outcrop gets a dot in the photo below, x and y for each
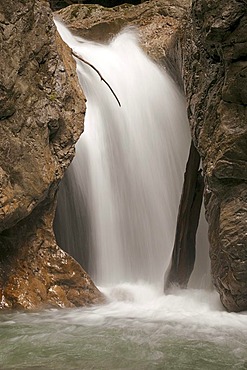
(37, 273)
(157, 22)
(41, 112)
(215, 75)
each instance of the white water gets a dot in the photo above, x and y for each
(139, 329)
(127, 178)
(130, 160)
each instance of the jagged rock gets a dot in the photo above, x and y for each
(215, 70)
(41, 111)
(157, 21)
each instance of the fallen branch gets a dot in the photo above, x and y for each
(96, 70)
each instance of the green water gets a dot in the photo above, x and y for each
(106, 338)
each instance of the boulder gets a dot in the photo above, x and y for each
(41, 111)
(157, 22)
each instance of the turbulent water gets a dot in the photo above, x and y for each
(117, 214)
(125, 182)
(139, 329)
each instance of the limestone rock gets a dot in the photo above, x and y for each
(41, 111)
(214, 56)
(157, 21)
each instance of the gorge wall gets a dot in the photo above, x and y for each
(214, 57)
(41, 117)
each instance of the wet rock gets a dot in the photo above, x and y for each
(36, 273)
(41, 114)
(214, 69)
(157, 22)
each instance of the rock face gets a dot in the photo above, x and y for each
(215, 75)
(41, 112)
(157, 22)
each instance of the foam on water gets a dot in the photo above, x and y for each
(139, 328)
(191, 313)
(121, 196)
(129, 166)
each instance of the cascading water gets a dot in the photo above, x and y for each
(128, 170)
(119, 200)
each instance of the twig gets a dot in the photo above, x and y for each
(95, 69)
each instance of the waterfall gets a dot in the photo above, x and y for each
(116, 214)
(119, 200)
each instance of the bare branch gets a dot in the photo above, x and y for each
(95, 69)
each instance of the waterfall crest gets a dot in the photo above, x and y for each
(128, 170)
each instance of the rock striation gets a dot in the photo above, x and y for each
(215, 75)
(41, 118)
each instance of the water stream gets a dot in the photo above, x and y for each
(126, 180)
(139, 329)
(117, 215)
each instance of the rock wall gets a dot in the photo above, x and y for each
(41, 117)
(42, 110)
(157, 22)
(215, 76)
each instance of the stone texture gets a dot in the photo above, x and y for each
(41, 113)
(157, 21)
(38, 273)
(214, 69)
(41, 117)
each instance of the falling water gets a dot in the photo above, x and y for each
(117, 208)
(130, 160)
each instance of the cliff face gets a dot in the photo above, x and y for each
(41, 112)
(156, 20)
(215, 75)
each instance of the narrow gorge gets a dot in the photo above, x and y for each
(42, 108)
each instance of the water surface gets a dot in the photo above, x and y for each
(138, 329)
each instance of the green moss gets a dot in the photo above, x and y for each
(52, 96)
